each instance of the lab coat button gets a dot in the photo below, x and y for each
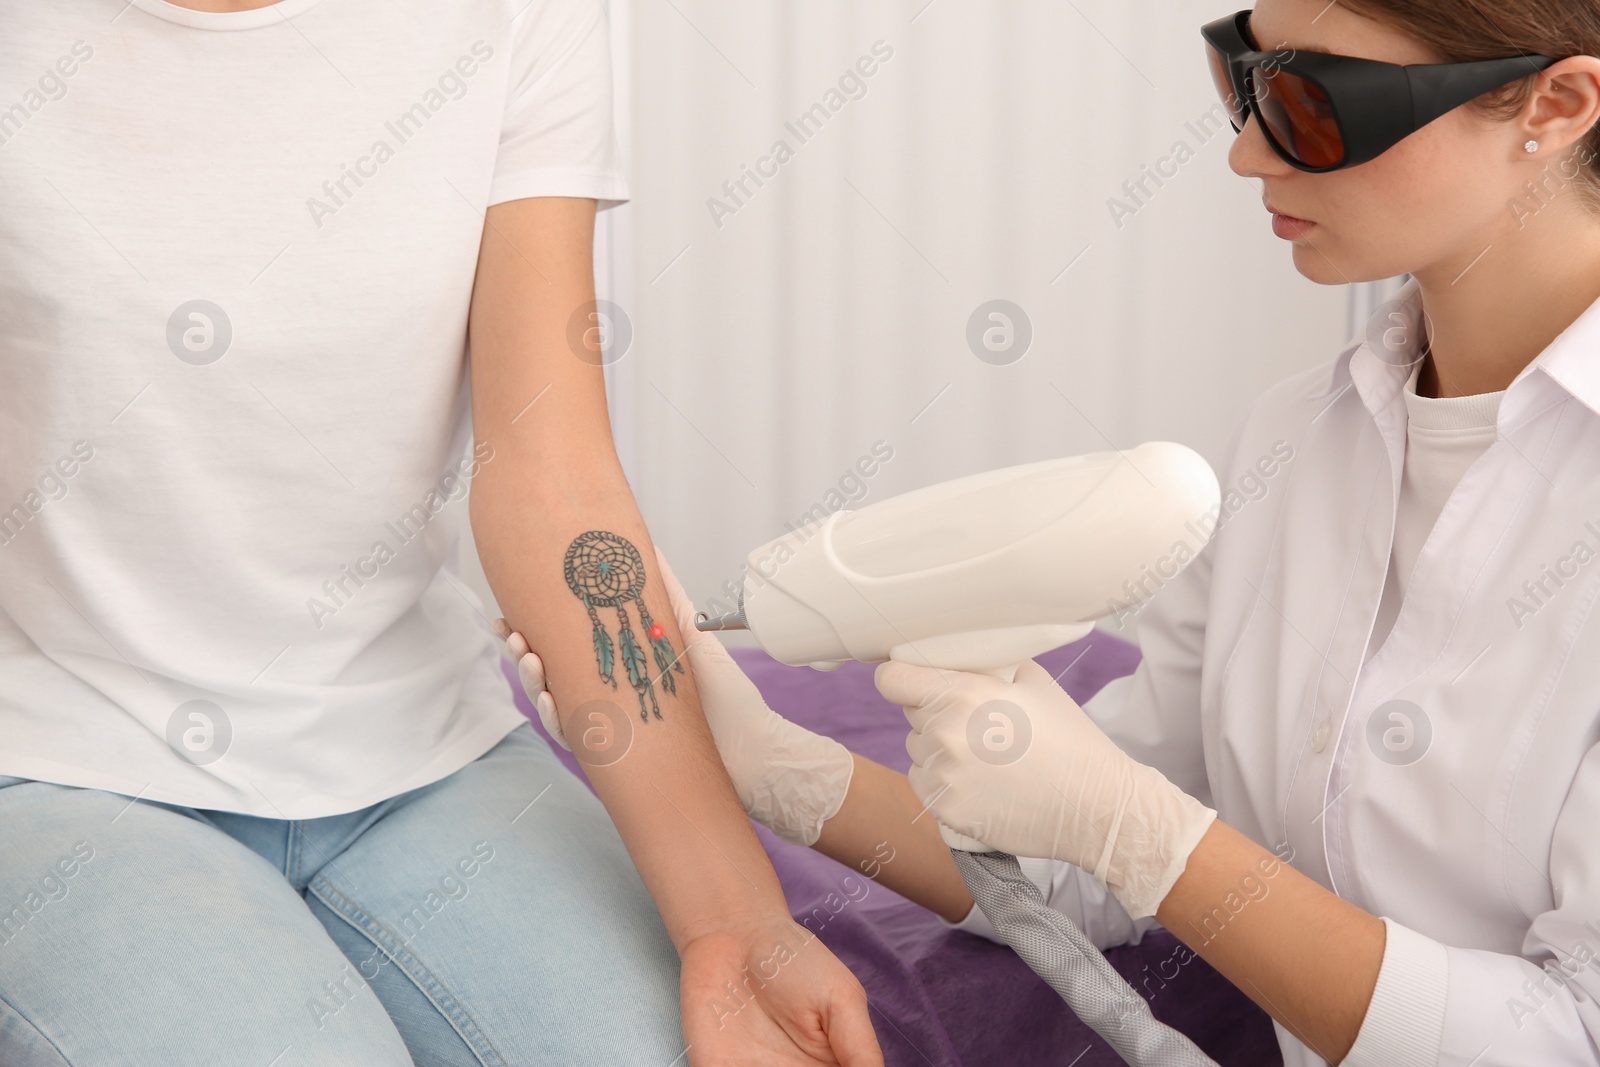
(1319, 739)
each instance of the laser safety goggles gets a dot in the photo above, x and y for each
(1322, 112)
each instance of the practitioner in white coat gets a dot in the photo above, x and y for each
(1357, 769)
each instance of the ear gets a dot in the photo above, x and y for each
(1563, 106)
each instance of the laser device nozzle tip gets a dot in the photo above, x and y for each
(734, 620)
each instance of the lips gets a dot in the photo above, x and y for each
(1287, 226)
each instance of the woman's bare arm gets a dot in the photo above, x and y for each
(554, 479)
(1259, 921)
(882, 830)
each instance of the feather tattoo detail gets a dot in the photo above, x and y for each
(605, 571)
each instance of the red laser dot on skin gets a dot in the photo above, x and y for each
(656, 631)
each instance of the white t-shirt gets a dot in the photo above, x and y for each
(1444, 436)
(236, 257)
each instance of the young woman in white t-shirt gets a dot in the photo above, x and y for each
(264, 795)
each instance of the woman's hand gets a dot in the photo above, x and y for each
(776, 990)
(1020, 767)
(789, 779)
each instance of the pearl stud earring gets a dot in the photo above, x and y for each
(1531, 147)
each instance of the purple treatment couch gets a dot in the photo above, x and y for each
(945, 998)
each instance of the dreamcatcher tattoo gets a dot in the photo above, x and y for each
(606, 571)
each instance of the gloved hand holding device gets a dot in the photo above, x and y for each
(958, 585)
(789, 779)
(1021, 767)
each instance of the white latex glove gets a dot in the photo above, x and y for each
(530, 671)
(789, 779)
(1020, 766)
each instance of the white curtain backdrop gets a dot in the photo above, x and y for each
(828, 309)
(1365, 298)
(801, 292)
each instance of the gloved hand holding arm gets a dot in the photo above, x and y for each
(788, 779)
(806, 788)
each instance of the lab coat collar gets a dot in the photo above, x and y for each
(1379, 362)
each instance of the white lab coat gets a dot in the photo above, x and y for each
(1469, 817)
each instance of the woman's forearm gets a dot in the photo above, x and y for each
(554, 482)
(882, 830)
(1307, 957)
(659, 778)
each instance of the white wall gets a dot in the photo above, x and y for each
(831, 306)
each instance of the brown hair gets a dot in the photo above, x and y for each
(1489, 29)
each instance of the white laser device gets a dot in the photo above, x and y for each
(982, 572)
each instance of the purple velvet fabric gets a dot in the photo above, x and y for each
(949, 999)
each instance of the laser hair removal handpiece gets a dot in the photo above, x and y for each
(978, 574)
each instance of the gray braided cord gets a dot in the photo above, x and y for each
(1058, 952)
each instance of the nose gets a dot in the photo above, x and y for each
(1252, 157)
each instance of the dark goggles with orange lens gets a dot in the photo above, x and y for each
(1322, 112)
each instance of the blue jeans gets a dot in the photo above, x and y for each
(490, 918)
